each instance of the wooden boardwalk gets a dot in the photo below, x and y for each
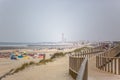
(96, 74)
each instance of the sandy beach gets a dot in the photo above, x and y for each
(56, 70)
(59, 66)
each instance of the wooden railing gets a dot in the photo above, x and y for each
(74, 65)
(83, 72)
(78, 63)
(108, 61)
(109, 64)
(87, 52)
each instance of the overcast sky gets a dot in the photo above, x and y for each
(46, 20)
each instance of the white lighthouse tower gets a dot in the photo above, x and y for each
(63, 38)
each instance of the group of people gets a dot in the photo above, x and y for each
(4, 54)
(19, 55)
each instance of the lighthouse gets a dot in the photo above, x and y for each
(63, 38)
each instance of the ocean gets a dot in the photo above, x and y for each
(32, 45)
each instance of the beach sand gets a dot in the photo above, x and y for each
(56, 70)
(59, 67)
(6, 64)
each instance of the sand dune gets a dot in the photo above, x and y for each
(56, 70)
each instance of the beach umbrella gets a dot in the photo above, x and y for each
(26, 57)
(41, 55)
(20, 56)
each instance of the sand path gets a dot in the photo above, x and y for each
(96, 74)
(56, 70)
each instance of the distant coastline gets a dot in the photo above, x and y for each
(9, 45)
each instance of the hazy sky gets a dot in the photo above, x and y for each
(46, 20)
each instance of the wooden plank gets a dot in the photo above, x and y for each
(111, 65)
(115, 62)
(108, 65)
(105, 63)
(119, 66)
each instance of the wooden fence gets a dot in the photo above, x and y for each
(87, 52)
(78, 63)
(83, 72)
(74, 65)
(108, 61)
(109, 64)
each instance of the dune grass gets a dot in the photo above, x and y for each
(43, 61)
(60, 54)
(79, 49)
(23, 66)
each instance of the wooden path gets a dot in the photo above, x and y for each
(96, 74)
